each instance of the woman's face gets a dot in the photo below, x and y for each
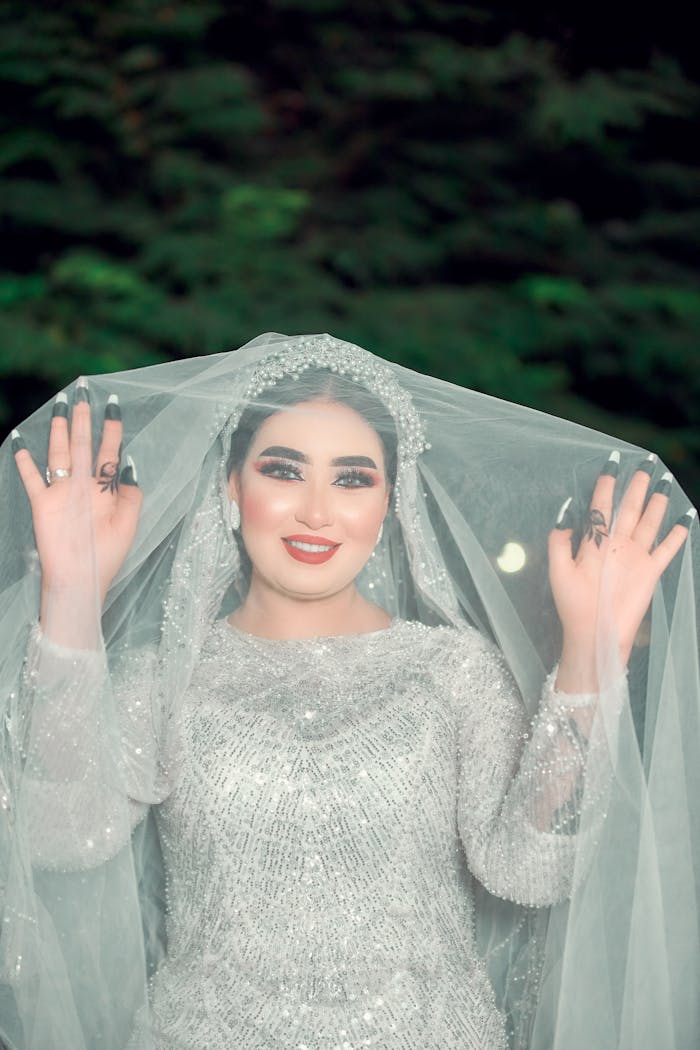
(312, 494)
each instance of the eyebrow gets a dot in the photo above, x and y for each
(339, 461)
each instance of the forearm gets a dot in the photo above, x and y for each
(525, 787)
(523, 823)
(554, 765)
(78, 774)
(62, 692)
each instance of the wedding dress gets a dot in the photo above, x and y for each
(335, 797)
(398, 839)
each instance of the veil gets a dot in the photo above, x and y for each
(90, 740)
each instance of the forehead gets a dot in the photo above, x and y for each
(325, 426)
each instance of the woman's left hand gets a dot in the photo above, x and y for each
(626, 562)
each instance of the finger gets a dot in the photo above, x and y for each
(600, 508)
(666, 551)
(32, 480)
(559, 544)
(647, 530)
(632, 504)
(80, 432)
(59, 446)
(129, 500)
(107, 467)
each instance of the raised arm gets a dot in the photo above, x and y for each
(75, 764)
(523, 788)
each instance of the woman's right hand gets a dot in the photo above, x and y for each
(84, 524)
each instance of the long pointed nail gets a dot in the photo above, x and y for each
(649, 464)
(81, 390)
(612, 466)
(60, 405)
(112, 409)
(562, 521)
(664, 485)
(128, 475)
(688, 518)
(17, 441)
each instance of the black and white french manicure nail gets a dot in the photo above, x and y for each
(688, 518)
(17, 441)
(664, 485)
(112, 409)
(128, 474)
(649, 464)
(612, 467)
(564, 515)
(81, 390)
(60, 405)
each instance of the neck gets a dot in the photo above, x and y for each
(271, 614)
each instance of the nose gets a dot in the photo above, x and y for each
(315, 506)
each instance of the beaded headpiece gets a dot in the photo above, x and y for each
(325, 351)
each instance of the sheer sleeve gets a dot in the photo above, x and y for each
(92, 763)
(523, 784)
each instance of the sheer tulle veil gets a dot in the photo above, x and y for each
(478, 484)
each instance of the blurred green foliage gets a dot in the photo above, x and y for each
(442, 182)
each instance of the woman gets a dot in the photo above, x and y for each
(277, 649)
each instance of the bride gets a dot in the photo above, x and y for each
(280, 741)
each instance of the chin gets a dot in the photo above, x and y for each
(310, 581)
(311, 584)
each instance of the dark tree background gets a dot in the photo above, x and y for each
(503, 195)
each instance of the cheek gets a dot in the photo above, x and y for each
(264, 508)
(361, 517)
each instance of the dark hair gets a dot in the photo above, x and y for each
(315, 384)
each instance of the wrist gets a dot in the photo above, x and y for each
(69, 613)
(76, 588)
(577, 671)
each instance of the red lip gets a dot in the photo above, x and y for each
(310, 557)
(304, 537)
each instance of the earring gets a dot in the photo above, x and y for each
(234, 515)
(381, 531)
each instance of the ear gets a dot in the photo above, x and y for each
(234, 486)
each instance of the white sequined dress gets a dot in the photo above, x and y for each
(336, 799)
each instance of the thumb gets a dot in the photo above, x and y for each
(559, 544)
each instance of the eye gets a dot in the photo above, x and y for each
(280, 469)
(352, 478)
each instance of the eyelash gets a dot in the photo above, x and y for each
(361, 477)
(278, 468)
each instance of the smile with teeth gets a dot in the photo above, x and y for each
(308, 549)
(313, 547)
